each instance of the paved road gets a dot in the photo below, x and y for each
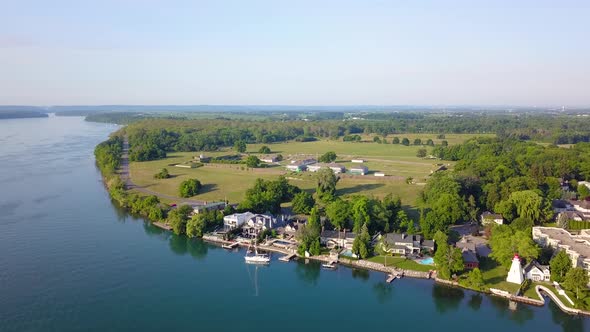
(126, 177)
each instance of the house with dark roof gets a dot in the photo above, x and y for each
(404, 244)
(469, 253)
(340, 239)
(537, 272)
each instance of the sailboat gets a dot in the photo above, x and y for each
(256, 258)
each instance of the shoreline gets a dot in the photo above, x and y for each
(392, 271)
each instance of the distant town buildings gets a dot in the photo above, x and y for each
(336, 168)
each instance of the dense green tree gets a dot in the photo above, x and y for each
(264, 149)
(315, 249)
(421, 153)
(326, 184)
(252, 161)
(338, 213)
(417, 141)
(303, 202)
(360, 213)
(328, 157)
(447, 259)
(177, 218)
(189, 188)
(444, 143)
(395, 140)
(505, 242)
(240, 146)
(430, 142)
(522, 224)
(163, 174)
(583, 191)
(377, 139)
(405, 141)
(560, 265)
(267, 196)
(475, 280)
(362, 243)
(576, 280)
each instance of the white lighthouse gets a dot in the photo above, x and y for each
(515, 275)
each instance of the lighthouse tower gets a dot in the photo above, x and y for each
(515, 275)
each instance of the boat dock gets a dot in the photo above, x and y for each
(230, 245)
(390, 278)
(162, 226)
(287, 258)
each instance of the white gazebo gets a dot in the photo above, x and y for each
(516, 274)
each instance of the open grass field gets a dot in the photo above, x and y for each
(225, 181)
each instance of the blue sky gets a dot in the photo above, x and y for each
(533, 53)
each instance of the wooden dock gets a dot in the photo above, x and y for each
(230, 245)
(392, 277)
(287, 258)
(162, 226)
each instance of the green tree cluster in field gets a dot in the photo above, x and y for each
(326, 184)
(303, 202)
(328, 157)
(252, 162)
(189, 188)
(267, 196)
(162, 174)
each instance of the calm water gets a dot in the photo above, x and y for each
(71, 261)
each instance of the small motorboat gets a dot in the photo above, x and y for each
(330, 265)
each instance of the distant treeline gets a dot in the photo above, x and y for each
(19, 114)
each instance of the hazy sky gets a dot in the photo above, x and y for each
(295, 52)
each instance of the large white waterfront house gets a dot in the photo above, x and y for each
(236, 220)
(577, 247)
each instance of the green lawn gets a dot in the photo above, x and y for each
(222, 181)
(401, 262)
(494, 276)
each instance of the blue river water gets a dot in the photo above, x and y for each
(71, 260)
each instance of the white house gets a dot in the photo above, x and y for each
(379, 174)
(269, 159)
(258, 223)
(403, 244)
(336, 168)
(332, 239)
(537, 272)
(489, 217)
(359, 170)
(236, 220)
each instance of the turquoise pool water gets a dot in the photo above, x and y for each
(427, 261)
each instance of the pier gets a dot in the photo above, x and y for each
(230, 245)
(287, 258)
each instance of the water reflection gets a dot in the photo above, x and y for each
(446, 298)
(567, 322)
(475, 301)
(383, 292)
(360, 274)
(197, 248)
(308, 272)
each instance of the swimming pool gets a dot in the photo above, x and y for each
(347, 253)
(426, 261)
